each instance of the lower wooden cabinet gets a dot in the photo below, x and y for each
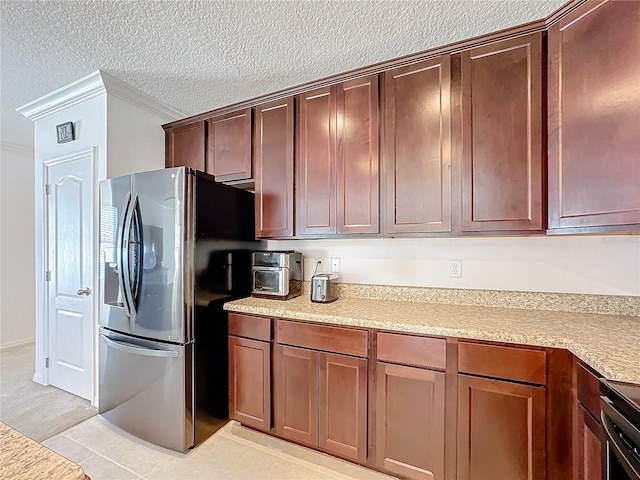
(250, 382)
(589, 447)
(296, 393)
(501, 430)
(321, 400)
(410, 421)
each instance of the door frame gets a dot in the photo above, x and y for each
(41, 375)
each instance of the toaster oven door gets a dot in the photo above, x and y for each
(270, 281)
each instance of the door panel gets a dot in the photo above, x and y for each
(410, 421)
(185, 146)
(229, 146)
(70, 260)
(160, 312)
(343, 405)
(296, 393)
(501, 430)
(417, 147)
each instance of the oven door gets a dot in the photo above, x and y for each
(270, 281)
(621, 452)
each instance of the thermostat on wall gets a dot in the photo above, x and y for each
(65, 132)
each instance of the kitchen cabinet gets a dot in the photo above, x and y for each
(273, 166)
(502, 142)
(410, 408)
(501, 423)
(250, 370)
(416, 149)
(594, 108)
(229, 146)
(185, 146)
(337, 159)
(321, 387)
(588, 434)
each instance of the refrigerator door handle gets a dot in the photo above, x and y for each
(122, 251)
(126, 257)
(138, 245)
(137, 350)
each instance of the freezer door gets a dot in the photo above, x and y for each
(115, 203)
(146, 389)
(160, 271)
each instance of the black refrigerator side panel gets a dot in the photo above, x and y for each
(223, 212)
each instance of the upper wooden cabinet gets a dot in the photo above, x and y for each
(502, 162)
(229, 146)
(594, 112)
(337, 159)
(184, 146)
(273, 166)
(416, 148)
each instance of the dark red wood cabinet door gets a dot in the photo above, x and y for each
(501, 430)
(316, 162)
(588, 446)
(185, 146)
(229, 146)
(343, 405)
(594, 111)
(410, 421)
(502, 164)
(250, 382)
(296, 393)
(416, 147)
(357, 158)
(273, 166)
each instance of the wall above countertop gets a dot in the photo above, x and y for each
(600, 265)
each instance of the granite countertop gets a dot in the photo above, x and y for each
(608, 343)
(23, 458)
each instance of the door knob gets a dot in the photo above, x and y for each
(84, 291)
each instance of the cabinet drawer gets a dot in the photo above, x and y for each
(321, 337)
(588, 390)
(258, 328)
(519, 364)
(412, 350)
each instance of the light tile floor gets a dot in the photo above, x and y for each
(106, 452)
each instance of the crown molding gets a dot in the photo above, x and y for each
(16, 148)
(93, 85)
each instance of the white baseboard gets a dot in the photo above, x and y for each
(19, 342)
(38, 379)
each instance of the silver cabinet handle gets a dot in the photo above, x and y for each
(84, 291)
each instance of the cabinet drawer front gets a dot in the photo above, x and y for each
(321, 337)
(412, 350)
(588, 390)
(258, 328)
(509, 363)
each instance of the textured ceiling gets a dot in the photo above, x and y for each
(198, 55)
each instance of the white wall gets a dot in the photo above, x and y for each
(135, 138)
(571, 264)
(17, 245)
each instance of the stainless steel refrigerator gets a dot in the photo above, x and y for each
(174, 245)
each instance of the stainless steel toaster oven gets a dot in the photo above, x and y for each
(276, 274)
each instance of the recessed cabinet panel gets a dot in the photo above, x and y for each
(502, 135)
(185, 146)
(501, 430)
(357, 156)
(316, 174)
(229, 146)
(273, 156)
(594, 107)
(417, 147)
(410, 421)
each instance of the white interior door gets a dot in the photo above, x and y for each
(70, 265)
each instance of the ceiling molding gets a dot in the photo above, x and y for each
(93, 85)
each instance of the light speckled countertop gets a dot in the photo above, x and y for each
(608, 343)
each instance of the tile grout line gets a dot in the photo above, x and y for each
(101, 455)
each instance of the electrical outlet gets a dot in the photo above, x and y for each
(455, 268)
(319, 265)
(335, 265)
